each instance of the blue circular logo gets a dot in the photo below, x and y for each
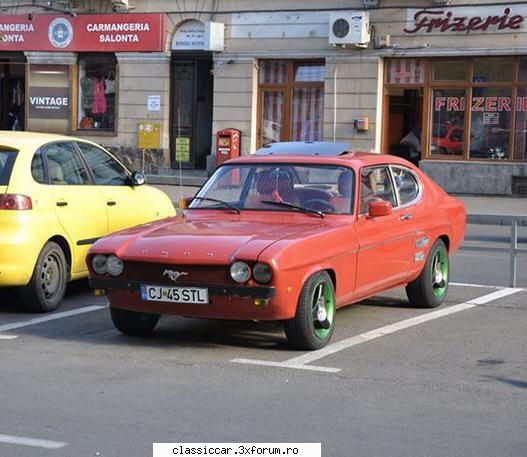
(60, 33)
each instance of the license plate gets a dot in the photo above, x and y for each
(192, 295)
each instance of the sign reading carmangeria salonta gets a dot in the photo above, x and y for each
(489, 19)
(90, 32)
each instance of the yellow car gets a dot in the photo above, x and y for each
(58, 195)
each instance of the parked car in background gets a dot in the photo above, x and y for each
(290, 234)
(58, 195)
(448, 139)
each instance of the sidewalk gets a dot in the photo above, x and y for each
(516, 206)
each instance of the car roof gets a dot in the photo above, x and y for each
(17, 139)
(355, 159)
(323, 148)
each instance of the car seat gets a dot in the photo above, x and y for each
(56, 175)
(342, 201)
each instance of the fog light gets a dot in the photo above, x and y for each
(115, 265)
(240, 272)
(99, 264)
(261, 301)
(99, 292)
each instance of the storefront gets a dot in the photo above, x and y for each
(444, 86)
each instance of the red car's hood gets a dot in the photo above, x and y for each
(204, 239)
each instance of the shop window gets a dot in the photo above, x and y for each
(450, 70)
(272, 120)
(522, 73)
(273, 72)
(493, 69)
(291, 101)
(97, 92)
(448, 122)
(405, 71)
(520, 140)
(490, 122)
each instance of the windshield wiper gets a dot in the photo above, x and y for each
(226, 205)
(298, 207)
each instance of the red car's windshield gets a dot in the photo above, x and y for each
(279, 187)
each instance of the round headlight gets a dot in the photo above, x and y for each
(115, 265)
(99, 263)
(262, 273)
(240, 272)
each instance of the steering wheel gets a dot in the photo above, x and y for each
(319, 204)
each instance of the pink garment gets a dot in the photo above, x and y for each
(99, 98)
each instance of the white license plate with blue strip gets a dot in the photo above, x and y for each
(191, 295)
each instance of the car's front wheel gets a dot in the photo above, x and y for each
(429, 289)
(314, 322)
(133, 322)
(47, 286)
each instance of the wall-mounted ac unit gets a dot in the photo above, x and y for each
(349, 28)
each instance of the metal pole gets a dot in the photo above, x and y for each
(514, 247)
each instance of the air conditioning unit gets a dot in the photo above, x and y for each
(120, 3)
(349, 28)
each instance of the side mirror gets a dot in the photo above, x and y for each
(185, 202)
(379, 208)
(138, 178)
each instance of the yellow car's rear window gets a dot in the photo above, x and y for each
(7, 160)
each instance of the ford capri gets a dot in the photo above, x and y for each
(289, 234)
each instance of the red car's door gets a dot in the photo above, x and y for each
(386, 243)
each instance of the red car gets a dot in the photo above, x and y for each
(448, 139)
(290, 234)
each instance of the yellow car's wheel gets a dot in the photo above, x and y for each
(48, 283)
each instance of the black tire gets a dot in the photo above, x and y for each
(133, 322)
(47, 286)
(430, 288)
(305, 331)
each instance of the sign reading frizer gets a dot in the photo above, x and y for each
(49, 103)
(466, 20)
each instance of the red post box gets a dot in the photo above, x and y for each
(228, 143)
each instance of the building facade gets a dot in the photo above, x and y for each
(443, 85)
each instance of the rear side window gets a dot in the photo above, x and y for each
(7, 160)
(37, 168)
(406, 184)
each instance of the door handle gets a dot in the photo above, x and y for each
(111, 203)
(406, 217)
(62, 203)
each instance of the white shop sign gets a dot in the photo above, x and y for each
(199, 36)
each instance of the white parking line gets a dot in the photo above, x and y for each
(32, 442)
(8, 337)
(51, 317)
(300, 362)
(479, 286)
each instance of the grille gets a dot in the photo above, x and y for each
(519, 186)
(196, 274)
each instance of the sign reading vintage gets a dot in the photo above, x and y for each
(466, 20)
(49, 103)
(92, 32)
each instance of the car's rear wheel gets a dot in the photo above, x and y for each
(133, 322)
(314, 322)
(47, 286)
(431, 286)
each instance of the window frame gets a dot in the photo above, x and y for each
(75, 78)
(417, 180)
(288, 89)
(392, 182)
(468, 85)
(80, 152)
(44, 149)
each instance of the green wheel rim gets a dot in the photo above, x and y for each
(324, 295)
(439, 273)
